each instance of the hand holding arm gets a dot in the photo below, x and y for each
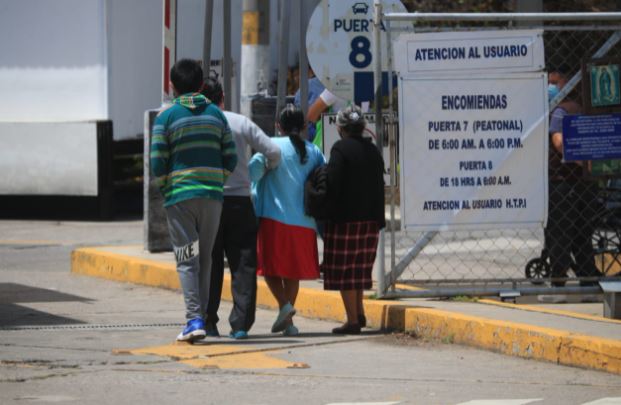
(257, 167)
(263, 144)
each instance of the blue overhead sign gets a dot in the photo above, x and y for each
(592, 137)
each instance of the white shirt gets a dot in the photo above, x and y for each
(247, 133)
(332, 101)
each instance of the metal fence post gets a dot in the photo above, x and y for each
(392, 142)
(379, 125)
(207, 37)
(303, 61)
(283, 53)
(227, 62)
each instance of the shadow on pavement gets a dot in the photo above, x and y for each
(12, 315)
(12, 293)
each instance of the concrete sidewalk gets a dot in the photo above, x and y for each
(529, 331)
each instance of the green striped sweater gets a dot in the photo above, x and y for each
(192, 150)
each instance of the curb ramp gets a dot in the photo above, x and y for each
(501, 336)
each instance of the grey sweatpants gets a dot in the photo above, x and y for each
(193, 225)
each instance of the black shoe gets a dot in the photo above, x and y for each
(211, 329)
(347, 329)
(362, 321)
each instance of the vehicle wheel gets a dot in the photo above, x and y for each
(537, 270)
(607, 250)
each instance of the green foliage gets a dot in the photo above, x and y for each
(447, 340)
(464, 298)
(440, 6)
(486, 6)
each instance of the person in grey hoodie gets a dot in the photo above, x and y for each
(237, 234)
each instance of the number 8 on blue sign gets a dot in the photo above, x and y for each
(360, 46)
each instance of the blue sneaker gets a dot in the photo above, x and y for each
(238, 335)
(284, 317)
(194, 330)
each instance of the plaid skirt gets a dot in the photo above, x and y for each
(349, 254)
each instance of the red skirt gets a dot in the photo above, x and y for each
(286, 251)
(348, 255)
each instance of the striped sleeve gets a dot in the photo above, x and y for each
(160, 151)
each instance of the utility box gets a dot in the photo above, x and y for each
(612, 298)
(156, 238)
(264, 114)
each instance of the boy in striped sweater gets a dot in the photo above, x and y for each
(192, 154)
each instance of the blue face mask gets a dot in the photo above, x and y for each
(552, 91)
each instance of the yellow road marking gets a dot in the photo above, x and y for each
(409, 287)
(203, 355)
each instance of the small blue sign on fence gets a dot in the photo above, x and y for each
(592, 137)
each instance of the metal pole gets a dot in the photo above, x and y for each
(491, 291)
(303, 61)
(379, 125)
(207, 37)
(227, 62)
(255, 65)
(392, 154)
(283, 53)
(529, 6)
(502, 16)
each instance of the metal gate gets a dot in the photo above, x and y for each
(509, 262)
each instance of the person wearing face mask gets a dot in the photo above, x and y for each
(553, 88)
(571, 203)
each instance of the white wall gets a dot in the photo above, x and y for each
(48, 158)
(76, 60)
(134, 63)
(52, 61)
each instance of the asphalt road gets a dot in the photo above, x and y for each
(74, 339)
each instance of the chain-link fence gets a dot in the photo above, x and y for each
(581, 242)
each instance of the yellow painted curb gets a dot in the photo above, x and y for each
(112, 266)
(561, 312)
(515, 339)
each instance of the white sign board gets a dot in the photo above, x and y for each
(331, 135)
(473, 151)
(477, 51)
(339, 43)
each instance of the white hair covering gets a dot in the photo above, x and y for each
(350, 116)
